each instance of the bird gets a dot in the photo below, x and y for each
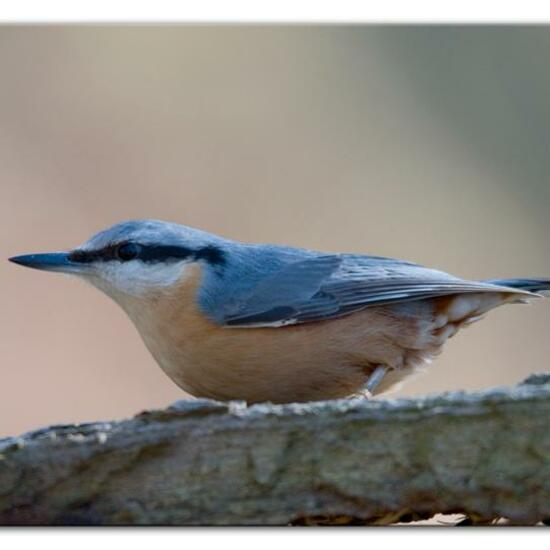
(229, 320)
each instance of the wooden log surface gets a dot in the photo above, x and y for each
(201, 462)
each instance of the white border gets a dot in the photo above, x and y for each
(450, 538)
(282, 11)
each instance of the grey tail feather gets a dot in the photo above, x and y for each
(531, 285)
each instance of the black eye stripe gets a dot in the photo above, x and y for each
(212, 254)
(163, 253)
(85, 256)
(151, 254)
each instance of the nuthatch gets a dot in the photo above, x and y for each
(229, 320)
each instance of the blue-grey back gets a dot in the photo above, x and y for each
(269, 285)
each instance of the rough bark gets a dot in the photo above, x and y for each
(208, 463)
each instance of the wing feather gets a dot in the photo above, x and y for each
(324, 287)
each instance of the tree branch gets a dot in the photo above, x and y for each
(207, 463)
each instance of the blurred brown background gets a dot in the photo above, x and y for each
(429, 144)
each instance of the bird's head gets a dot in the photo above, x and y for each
(132, 258)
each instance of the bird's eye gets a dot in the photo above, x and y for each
(127, 251)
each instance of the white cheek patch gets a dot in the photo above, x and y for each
(136, 277)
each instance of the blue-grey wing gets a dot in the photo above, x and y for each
(324, 287)
(274, 299)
